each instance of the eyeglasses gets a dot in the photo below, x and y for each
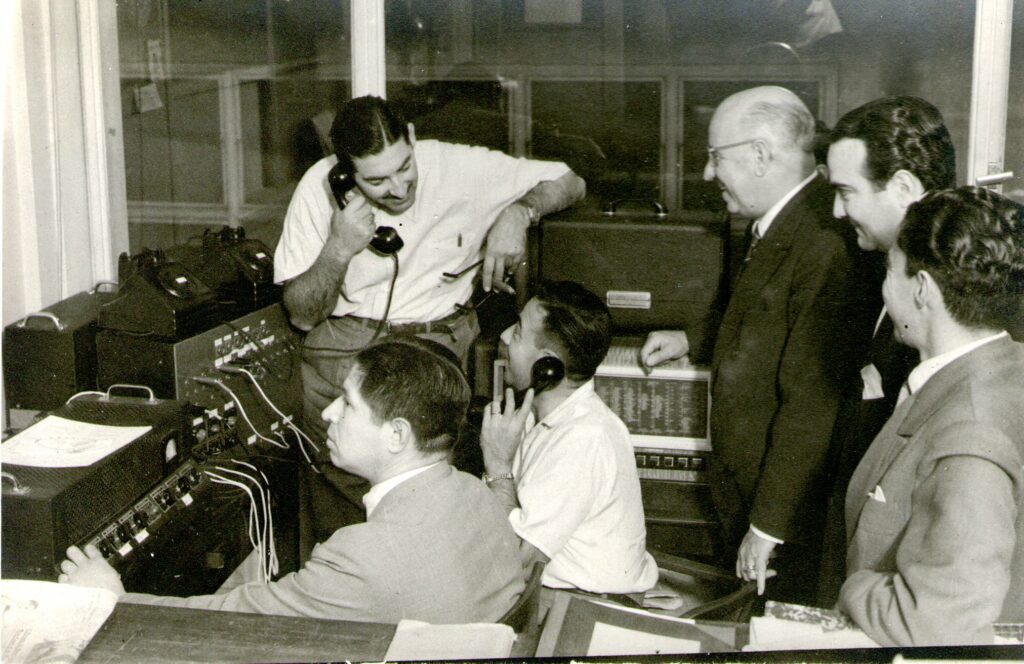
(714, 151)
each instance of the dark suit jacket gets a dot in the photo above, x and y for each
(858, 423)
(936, 508)
(792, 336)
(438, 548)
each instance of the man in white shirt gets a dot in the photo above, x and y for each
(935, 509)
(562, 463)
(788, 342)
(884, 156)
(436, 545)
(451, 204)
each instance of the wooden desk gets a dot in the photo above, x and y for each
(137, 633)
(141, 633)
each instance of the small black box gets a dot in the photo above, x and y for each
(47, 509)
(51, 355)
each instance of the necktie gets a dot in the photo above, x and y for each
(755, 237)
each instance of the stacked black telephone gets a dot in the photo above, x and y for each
(386, 240)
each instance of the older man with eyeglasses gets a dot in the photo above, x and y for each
(792, 333)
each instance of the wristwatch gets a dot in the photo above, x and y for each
(494, 478)
(531, 212)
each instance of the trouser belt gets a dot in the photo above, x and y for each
(442, 325)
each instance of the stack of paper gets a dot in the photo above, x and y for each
(50, 622)
(796, 627)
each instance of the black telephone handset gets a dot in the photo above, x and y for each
(545, 373)
(386, 240)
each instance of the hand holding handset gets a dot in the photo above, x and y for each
(386, 240)
(545, 373)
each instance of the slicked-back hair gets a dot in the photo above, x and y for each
(902, 133)
(419, 380)
(577, 322)
(365, 126)
(971, 241)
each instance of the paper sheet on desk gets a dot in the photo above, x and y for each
(47, 622)
(56, 442)
(796, 627)
(615, 640)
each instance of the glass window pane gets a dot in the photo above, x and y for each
(623, 91)
(608, 132)
(225, 104)
(473, 112)
(285, 130)
(172, 140)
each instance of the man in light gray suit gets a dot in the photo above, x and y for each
(935, 510)
(436, 545)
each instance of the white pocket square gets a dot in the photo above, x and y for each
(877, 494)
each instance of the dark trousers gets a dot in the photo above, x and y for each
(797, 561)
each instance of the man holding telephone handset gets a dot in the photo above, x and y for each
(448, 206)
(558, 459)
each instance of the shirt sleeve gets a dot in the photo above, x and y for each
(503, 179)
(559, 487)
(336, 583)
(953, 561)
(307, 224)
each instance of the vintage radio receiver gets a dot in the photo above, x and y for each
(46, 509)
(50, 355)
(665, 408)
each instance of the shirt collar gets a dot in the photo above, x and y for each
(922, 372)
(378, 491)
(565, 409)
(765, 220)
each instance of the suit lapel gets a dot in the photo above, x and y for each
(934, 393)
(770, 253)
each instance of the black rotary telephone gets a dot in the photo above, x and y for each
(386, 240)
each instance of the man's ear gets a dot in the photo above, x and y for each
(762, 156)
(927, 292)
(906, 187)
(412, 135)
(399, 436)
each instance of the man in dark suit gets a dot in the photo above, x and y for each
(783, 349)
(884, 156)
(935, 510)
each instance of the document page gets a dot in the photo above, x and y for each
(49, 623)
(56, 442)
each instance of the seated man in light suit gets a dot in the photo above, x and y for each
(436, 545)
(935, 510)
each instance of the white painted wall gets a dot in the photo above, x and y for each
(64, 208)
